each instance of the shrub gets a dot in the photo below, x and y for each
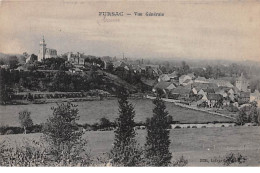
(25, 119)
(9, 132)
(180, 162)
(232, 158)
(63, 135)
(194, 127)
(32, 153)
(177, 127)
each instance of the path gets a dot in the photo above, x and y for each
(177, 102)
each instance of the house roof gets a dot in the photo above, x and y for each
(212, 96)
(201, 79)
(181, 90)
(148, 82)
(173, 75)
(191, 75)
(245, 94)
(183, 76)
(199, 86)
(163, 76)
(163, 85)
(187, 81)
(209, 90)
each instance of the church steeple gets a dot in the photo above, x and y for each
(42, 50)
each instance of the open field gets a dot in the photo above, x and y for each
(193, 144)
(91, 111)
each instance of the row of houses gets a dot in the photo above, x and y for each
(200, 90)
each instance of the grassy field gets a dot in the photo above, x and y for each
(193, 144)
(91, 111)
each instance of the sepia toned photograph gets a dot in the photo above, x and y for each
(129, 83)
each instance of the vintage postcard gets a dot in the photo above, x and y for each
(129, 83)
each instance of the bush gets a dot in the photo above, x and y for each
(25, 119)
(32, 153)
(9, 132)
(180, 162)
(194, 127)
(63, 135)
(177, 127)
(232, 158)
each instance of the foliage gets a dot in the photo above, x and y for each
(62, 133)
(232, 158)
(54, 64)
(125, 150)
(157, 141)
(33, 153)
(105, 123)
(180, 162)
(248, 114)
(25, 119)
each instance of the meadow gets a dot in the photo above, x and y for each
(91, 111)
(194, 144)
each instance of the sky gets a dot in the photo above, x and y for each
(201, 29)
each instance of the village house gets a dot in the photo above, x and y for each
(206, 91)
(222, 91)
(213, 100)
(173, 76)
(75, 70)
(187, 82)
(243, 97)
(242, 83)
(201, 80)
(31, 58)
(182, 93)
(198, 86)
(164, 78)
(186, 79)
(75, 58)
(166, 87)
(255, 97)
(222, 83)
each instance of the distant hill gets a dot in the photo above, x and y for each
(4, 57)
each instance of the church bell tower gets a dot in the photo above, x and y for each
(42, 50)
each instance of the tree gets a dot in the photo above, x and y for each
(25, 119)
(125, 150)
(248, 114)
(13, 62)
(157, 141)
(62, 133)
(110, 67)
(242, 117)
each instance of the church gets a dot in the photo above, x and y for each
(46, 52)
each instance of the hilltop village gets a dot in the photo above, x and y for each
(48, 75)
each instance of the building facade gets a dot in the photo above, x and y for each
(242, 83)
(45, 52)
